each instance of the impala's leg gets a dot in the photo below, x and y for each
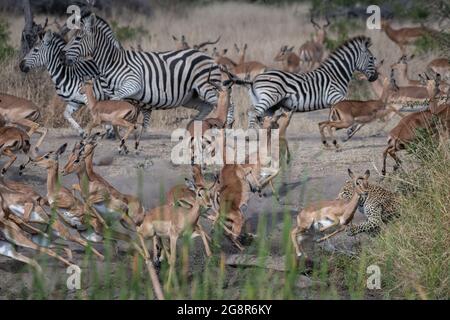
(294, 234)
(34, 127)
(173, 256)
(342, 228)
(71, 108)
(129, 128)
(353, 129)
(322, 126)
(16, 236)
(7, 152)
(205, 241)
(92, 124)
(385, 153)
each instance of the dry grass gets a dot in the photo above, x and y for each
(264, 28)
(413, 251)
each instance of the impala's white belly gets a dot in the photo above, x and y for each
(18, 210)
(322, 224)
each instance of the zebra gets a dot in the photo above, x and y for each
(315, 90)
(67, 80)
(158, 80)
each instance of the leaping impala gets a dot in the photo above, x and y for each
(22, 112)
(12, 140)
(404, 36)
(327, 214)
(114, 112)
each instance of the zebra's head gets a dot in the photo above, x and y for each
(40, 55)
(82, 44)
(365, 61)
(94, 32)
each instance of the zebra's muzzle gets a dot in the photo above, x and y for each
(23, 67)
(373, 77)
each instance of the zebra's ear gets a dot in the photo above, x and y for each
(47, 37)
(89, 22)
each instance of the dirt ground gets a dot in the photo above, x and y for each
(315, 173)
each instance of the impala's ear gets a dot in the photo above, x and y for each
(350, 173)
(174, 38)
(61, 149)
(367, 174)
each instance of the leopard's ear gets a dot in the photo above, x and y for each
(367, 174)
(350, 173)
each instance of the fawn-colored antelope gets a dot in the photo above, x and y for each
(401, 70)
(16, 236)
(222, 60)
(69, 208)
(406, 130)
(114, 112)
(171, 222)
(347, 113)
(280, 120)
(289, 59)
(12, 140)
(102, 196)
(22, 112)
(247, 69)
(327, 214)
(404, 36)
(311, 52)
(182, 44)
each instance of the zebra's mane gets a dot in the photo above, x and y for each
(100, 22)
(366, 41)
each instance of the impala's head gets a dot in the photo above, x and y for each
(320, 29)
(360, 183)
(74, 161)
(201, 193)
(50, 159)
(42, 53)
(283, 53)
(181, 43)
(88, 85)
(80, 152)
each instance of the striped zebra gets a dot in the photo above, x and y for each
(67, 80)
(158, 80)
(313, 90)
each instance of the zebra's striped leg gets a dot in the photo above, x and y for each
(230, 116)
(71, 108)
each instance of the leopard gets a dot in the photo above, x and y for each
(379, 206)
